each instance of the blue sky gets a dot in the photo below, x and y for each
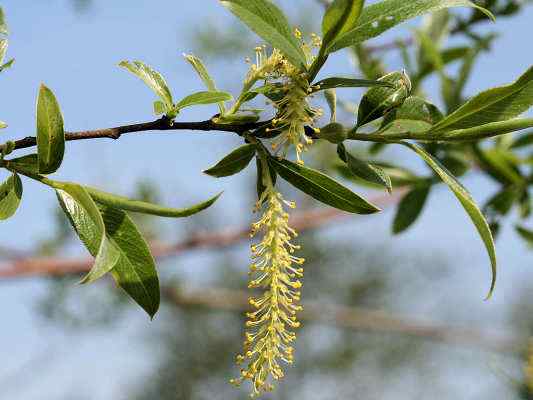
(77, 57)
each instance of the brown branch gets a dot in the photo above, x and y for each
(162, 124)
(354, 318)
(303, 221)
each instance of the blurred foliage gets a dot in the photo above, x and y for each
(195, 346)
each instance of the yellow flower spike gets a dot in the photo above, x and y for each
(269, 327)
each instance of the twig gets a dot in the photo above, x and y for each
(305, 220)
(162, 124)
(356, 319)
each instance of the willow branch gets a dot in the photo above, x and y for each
(485, 131)
(354, 318)
(303, 221)
(162, 124)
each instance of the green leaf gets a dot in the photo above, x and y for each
(3, 50)
(417, 109)
(365, 170)
(501, 164)
(135, 271)
(322, 187)
(6, 65)
(27, 163)
(380, 17)
(331, 99)
(340, 17)
(3, 125)
(526, 234)
(369, 64)
(484, 131)
(10, 195)
(410, 208)
(160, 108)
(267, 21)
(142, 207)
(447, 56)
(339, 82)
(497, 104)
(380, 100)
(467, 202)
(3, 25)
(203, 98)
(502, 202)
(415, 115)
(152, 78)
(456, 162)
(400, 177)
(203, 73)
(50, 132)
(524, 140)
(234, 162)
(89, 225)
(112, 238)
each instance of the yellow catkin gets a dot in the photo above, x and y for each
(294, 112)
(271, 323)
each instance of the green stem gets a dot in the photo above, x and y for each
(32, 175)
(459, 135)
(245, 89)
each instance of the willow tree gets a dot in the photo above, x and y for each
(285, 71)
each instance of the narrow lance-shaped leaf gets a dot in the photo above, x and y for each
(322, 187)
(331, 99)
(467, 202)
(234, 162)
(365, 170)
(50, 132)
(112, 238)
(447, 56)
(523, 140)
(203, 98)
(88, 223)
(502, 202)
(152, 78)
(10, 195)
(160, 108)
(142, 207)
(410, 208)
(339, 82)
(380, 17)
(415, 115)
(340, 17)
(526, 234)
(267, 21)
(497, 104)
(6, 65)
(203, 73)
(27, 163)
(135, 271)
(3, 50)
